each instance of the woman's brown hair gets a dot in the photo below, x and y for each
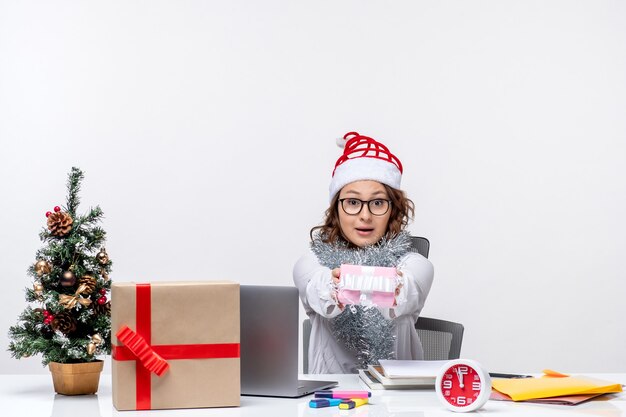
(402, 211)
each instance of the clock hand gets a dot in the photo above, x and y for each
(460, 377)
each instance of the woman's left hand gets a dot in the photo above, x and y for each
(398, 288)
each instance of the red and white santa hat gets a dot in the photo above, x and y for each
(364, 159)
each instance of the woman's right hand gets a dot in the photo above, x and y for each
(336, 274)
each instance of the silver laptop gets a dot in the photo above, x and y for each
(269, 343)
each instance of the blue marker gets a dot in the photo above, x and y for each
(324, 402)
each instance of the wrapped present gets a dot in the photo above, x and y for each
(367, 285)
(175, 345)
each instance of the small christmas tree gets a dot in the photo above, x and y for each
(72, 322)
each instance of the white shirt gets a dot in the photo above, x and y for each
(328, 355)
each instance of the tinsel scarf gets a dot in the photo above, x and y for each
(364, 330)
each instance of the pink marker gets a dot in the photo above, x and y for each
(342, 394)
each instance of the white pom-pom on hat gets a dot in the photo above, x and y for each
(364, 158)
(341, 142)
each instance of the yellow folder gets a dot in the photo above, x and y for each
(552, 386)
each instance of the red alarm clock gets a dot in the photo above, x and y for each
(462, 385)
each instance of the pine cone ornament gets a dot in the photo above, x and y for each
(89, 282)
(59, 223)
(102, 309)
(64, 322)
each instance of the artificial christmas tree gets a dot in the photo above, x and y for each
(72, 322)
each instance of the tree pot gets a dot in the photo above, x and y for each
(76, 378)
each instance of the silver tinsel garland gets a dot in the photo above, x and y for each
(364, 330)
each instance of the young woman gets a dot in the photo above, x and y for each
(365, 225)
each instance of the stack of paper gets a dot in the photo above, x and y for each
(553, 388)
(401, 374)
(411, 369)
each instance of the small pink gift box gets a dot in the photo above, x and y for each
(367, 285)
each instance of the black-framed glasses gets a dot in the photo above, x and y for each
(353, 206)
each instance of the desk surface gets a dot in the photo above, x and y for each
(33, 395)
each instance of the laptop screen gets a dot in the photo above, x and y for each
(269, 341)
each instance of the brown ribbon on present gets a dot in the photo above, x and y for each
(69, 301)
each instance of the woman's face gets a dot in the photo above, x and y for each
(363, 228)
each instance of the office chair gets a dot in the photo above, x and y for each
(441, 339)
(420, 245)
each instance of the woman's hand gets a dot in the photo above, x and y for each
(336, 276)
(398, 288)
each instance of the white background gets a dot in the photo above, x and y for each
(206, 132)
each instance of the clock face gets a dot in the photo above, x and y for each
(463, 386)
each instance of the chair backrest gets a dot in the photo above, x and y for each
(441, 339)
(306, 335)
(420, 245)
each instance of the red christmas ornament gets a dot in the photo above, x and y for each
(57, 209)
(46, 313)
(48, 213)
(48, 319)
(103, 291)
(102, 300)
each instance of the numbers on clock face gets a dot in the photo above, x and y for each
(461, 385)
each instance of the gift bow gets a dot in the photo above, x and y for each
(138, 346)
(69, 301)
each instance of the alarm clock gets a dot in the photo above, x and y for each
(462, 385)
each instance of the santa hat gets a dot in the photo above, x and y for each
(364, 159)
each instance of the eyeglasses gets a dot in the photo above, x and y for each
(353, 206)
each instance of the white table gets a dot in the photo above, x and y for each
(33, 395)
